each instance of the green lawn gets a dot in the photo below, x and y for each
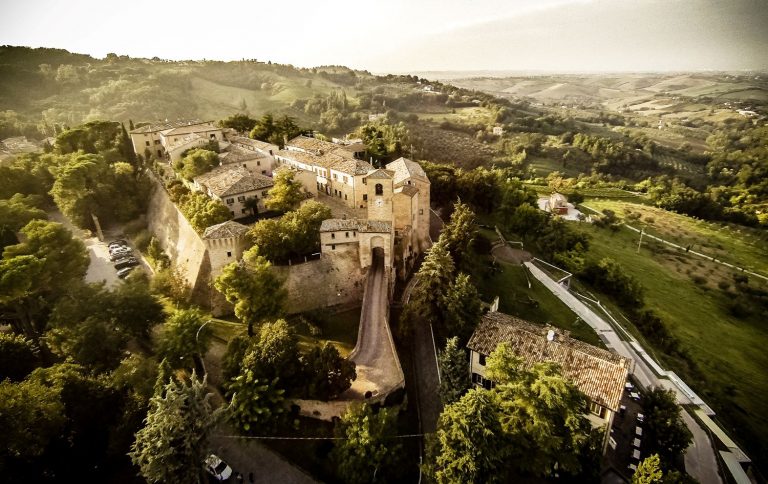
(742, 246)
(728, 352)
(339, 328)
(536, 304)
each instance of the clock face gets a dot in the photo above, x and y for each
(379, 202)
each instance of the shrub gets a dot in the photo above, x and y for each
(141, 239)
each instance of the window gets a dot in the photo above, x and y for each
(147, 142)
(365, 197)
(244, 166)
(333, 235)
(264, 193)
(241, 198)
(335, 177)
(409, 182)
(346, 234)
(345, 179)
(230, 201)
(213, 135)
(157, 141)
(263, 172)
(175, 139)
(333, 246)
(242, 210)
(379, 189)
(477, 378)
(159, 152)
(345, 196)
(421, 211)
(482, 360)
(596, 409)
(229, 254)
(258, 163)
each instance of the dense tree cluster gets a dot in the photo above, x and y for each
(286, 193)
(200, 210)
(196, 162)
(530, 424)
(275, 131)
(295, 234)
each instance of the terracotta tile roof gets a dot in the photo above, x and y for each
(225, 230)
(253, 143)
(312, 144)
(194, 128)
(360, 225)
(381, 174)
(228, 180)
(163, 125)
(406, 169)
(185, 141)
(236, 154)
(599, 373)
(338, 160)
(409, 190)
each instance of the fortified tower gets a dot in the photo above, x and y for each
(380, 191)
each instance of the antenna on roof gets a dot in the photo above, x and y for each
(550, 335)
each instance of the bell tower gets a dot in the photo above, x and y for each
(380, 185)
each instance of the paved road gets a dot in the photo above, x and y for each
(700, 461)
(377, 364)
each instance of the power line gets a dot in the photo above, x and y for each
(272, 437)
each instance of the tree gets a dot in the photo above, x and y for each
(184, 339)
(197, 162)
(469, 445)
(434, 279)
(462, 308)
(17, 212)
(36, 272)
(326, 373)
(296, 233)
(460, 232)
(530, 423)
(668, 436)
(365, 448)
(648, 472)
(173, 443)
(171, 283)
(253, 288)
(231, 363)
(242, 123)
(202, 212)
(286, 192)
(31, 416)
(256, 404)
(275, 131)
(274, 352)
(18, 357)
(454, 372)
(92, 342)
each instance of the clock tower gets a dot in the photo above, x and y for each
(379, 189)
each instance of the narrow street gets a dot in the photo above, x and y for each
(378, 367)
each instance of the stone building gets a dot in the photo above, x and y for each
(233, 185)
(598, 373)
(338, 173)
(158, 137)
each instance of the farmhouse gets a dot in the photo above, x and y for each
(598, 373)
(157, 138)
(234, 185)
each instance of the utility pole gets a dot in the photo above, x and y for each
(641, 239)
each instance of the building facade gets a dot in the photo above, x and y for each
(598, 373)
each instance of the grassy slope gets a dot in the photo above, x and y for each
(728, 351)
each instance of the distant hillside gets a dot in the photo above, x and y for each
(61, 87)
(617, 89)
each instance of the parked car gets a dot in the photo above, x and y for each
(121, 254)
(218, 468)
(117, 243)
(114, 248)
(126, 262)
(122, 273)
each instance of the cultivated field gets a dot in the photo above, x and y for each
(693, 297)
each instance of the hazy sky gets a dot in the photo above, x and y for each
(409, 35)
